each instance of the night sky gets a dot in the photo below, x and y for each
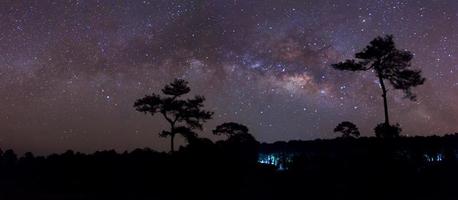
(70, 71)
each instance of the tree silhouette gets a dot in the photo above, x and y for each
(183, 115)
(230, 129)
(240, 144)
(390, 64)
(9, 157)
(236, 133)
(347, 129)
(384, 130)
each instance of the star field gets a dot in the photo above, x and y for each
(71, 70)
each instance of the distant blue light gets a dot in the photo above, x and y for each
(280, 161)
(434, 158)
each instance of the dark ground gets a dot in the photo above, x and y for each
(333, 169)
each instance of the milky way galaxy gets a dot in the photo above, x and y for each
(70, 71)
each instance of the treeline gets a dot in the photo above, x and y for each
(446, 145)
(342, 168)
(202, 169)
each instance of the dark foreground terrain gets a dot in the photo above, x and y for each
(366, 168)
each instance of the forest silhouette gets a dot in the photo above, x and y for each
(387, 166)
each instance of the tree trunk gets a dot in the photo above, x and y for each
(385, 104)
(172, 137)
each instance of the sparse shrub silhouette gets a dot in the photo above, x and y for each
(348, 129)
(389, 64)
(183, 115)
